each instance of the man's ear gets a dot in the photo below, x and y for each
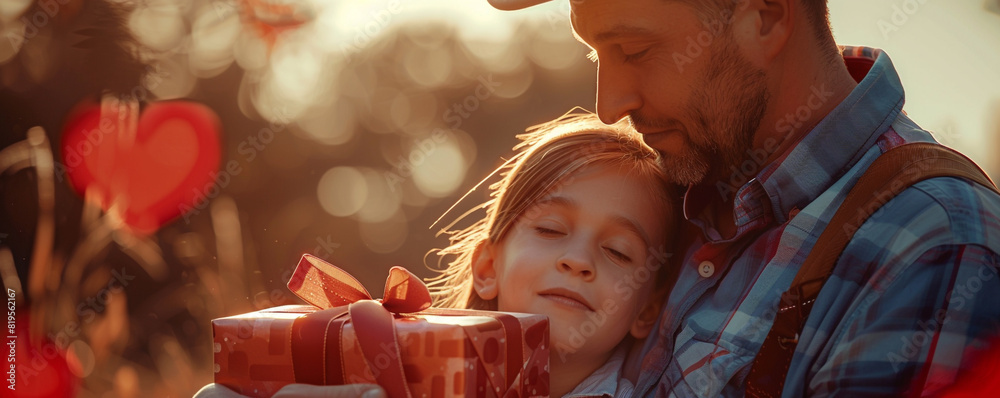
(484, 274)
(643, 323)
(765, 27)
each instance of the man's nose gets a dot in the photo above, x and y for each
(578, 261)
(617, 95)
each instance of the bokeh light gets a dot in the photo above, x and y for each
(342, 191)
(213, 37)
(383, 199)
(336, 126)
(439, 169)
(159, 25)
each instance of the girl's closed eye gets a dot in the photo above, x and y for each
(548, 231)
(623, 248)
(620, 256)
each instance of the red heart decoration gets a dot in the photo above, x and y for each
(40, 370)
(150, 178)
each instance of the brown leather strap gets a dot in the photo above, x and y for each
(889, 175)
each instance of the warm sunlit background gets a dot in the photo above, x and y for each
(345, 129)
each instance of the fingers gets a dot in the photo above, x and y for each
(216, 391)
(348, 391)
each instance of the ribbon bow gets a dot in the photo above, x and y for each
(324, 285)
(338, 294)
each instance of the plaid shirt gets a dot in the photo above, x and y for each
(915, 292)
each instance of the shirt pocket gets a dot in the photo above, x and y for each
(709, 362)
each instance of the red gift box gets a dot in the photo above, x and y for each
(397, 342)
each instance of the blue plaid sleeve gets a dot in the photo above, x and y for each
(917, 296)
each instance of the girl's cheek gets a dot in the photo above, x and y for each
(507, 305)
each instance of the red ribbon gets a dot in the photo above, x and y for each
(338, 293)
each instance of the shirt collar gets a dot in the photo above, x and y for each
(824, 154)
(606, 381)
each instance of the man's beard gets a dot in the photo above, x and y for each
(726, 113)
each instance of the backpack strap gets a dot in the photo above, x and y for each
(890, 174)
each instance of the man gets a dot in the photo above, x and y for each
(770, 124)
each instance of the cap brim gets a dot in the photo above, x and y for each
(508, 5)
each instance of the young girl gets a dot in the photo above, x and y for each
(578, 230)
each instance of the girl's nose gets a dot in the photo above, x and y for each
(578, 261)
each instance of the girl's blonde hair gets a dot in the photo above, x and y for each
(549, 154)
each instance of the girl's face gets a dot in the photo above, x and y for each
(586, 255)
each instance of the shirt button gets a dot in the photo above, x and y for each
(706, 269)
